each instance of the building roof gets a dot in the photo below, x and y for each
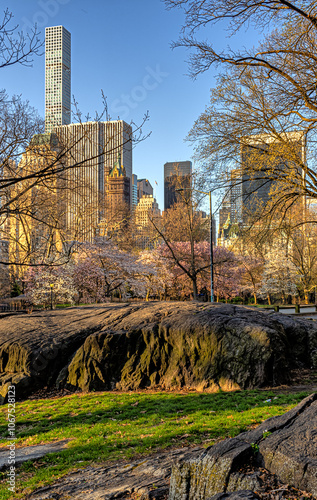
(117, 170)
(42, 139)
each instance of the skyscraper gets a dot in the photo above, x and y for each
(181, 168)
(236, 196)
(224, 213)
(230, 213)
(57, 77)
(36, 231)
(144, 187)
(177, 175)
(90, 150)
(266, 162)
(134, 192)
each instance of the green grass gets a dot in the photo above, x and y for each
(108, 426)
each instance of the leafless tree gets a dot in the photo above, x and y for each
(182, 228)
(293, 38)
(15, 46)
(264, 103)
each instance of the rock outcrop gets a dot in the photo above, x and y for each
(162, 344)
(143, 479)
(284, 445)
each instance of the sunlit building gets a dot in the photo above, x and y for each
(57, 77)
(267, 163)
(144, 188)
(35, 226)
(146, 236)
(177, 176)
(146, 208)
(91, 152)
(117, 198)
(134, 200)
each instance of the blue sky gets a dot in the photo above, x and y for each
(123, 48)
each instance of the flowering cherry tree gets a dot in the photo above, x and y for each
(188, 262)
(97, 272)
(102, 269)
(44, 284)
(227, 271)
(88, 280)
(251, 278)
(157, 275)
(279, 276)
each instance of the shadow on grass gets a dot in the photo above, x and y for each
(110, 426)
(142, 409)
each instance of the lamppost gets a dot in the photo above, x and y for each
(211, 245)
(52, 286)
(208, 193)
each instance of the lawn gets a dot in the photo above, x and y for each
(108, 426)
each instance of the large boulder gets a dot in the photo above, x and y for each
(34, 348)
(285, 445)
(162, 344)
(189, 345)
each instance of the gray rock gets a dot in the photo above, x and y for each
(287, 447)
(30, 452)
(145, 479)
(239, 481)
(237, 495)
(210, 473)
(21, 382)
(161, 344)
(290, 452)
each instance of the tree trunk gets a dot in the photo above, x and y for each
(269, 299)
(195, 291)
(306, 294)
(255, 298)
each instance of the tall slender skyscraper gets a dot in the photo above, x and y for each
(57, 77)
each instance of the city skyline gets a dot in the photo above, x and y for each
(154, 80)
